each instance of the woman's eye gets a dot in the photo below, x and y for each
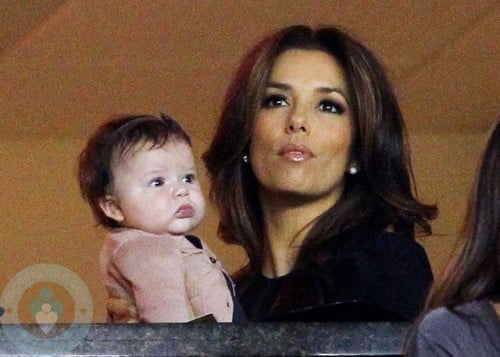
(157, 182)
(189, 178)
(272, 101)
(331, 107)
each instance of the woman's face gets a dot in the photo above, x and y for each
(303, 132)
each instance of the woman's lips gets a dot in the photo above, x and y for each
(296, 153)
(185, 211)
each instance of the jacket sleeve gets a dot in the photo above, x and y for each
(155, 271)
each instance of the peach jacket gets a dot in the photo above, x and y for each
(163, 278)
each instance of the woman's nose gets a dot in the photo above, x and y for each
(297, 121)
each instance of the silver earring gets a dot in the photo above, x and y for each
(245, 159)
(353, 169)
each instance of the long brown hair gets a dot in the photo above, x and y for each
(382, 193)
(475, 272)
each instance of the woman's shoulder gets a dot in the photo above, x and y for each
(460, 320)
(400, 244)
(368, 252)
(370, 240)
(437, 319)
(466, 330)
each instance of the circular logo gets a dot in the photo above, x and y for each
(39, 297)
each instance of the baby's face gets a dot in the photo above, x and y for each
(158, 190)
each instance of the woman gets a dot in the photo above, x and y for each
(462, 314)
(311, 175)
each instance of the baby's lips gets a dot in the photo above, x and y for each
(185, 211)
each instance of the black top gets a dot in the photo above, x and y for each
(364, 275)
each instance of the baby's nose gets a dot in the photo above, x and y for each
(181, 191)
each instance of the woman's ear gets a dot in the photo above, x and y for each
(111, 208)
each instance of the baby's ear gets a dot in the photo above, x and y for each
(111, 208)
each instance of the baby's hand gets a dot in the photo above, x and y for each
(121, 310)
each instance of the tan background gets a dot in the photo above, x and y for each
(66, 65)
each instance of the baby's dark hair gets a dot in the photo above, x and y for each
(123, 136)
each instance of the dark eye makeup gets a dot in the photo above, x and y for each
(331, 106)
(274, 100)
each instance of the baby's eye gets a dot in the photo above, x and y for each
(274, 100)
(331, 107)
(157, 182)
(190, 178)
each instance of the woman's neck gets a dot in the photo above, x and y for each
(286, 232)
(288, 220)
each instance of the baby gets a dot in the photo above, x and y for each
(139, 177)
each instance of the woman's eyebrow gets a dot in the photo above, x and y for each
(279, 85)
(328, 90)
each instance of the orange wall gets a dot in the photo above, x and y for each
(445, 166)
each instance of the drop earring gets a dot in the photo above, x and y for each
(245, 159)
